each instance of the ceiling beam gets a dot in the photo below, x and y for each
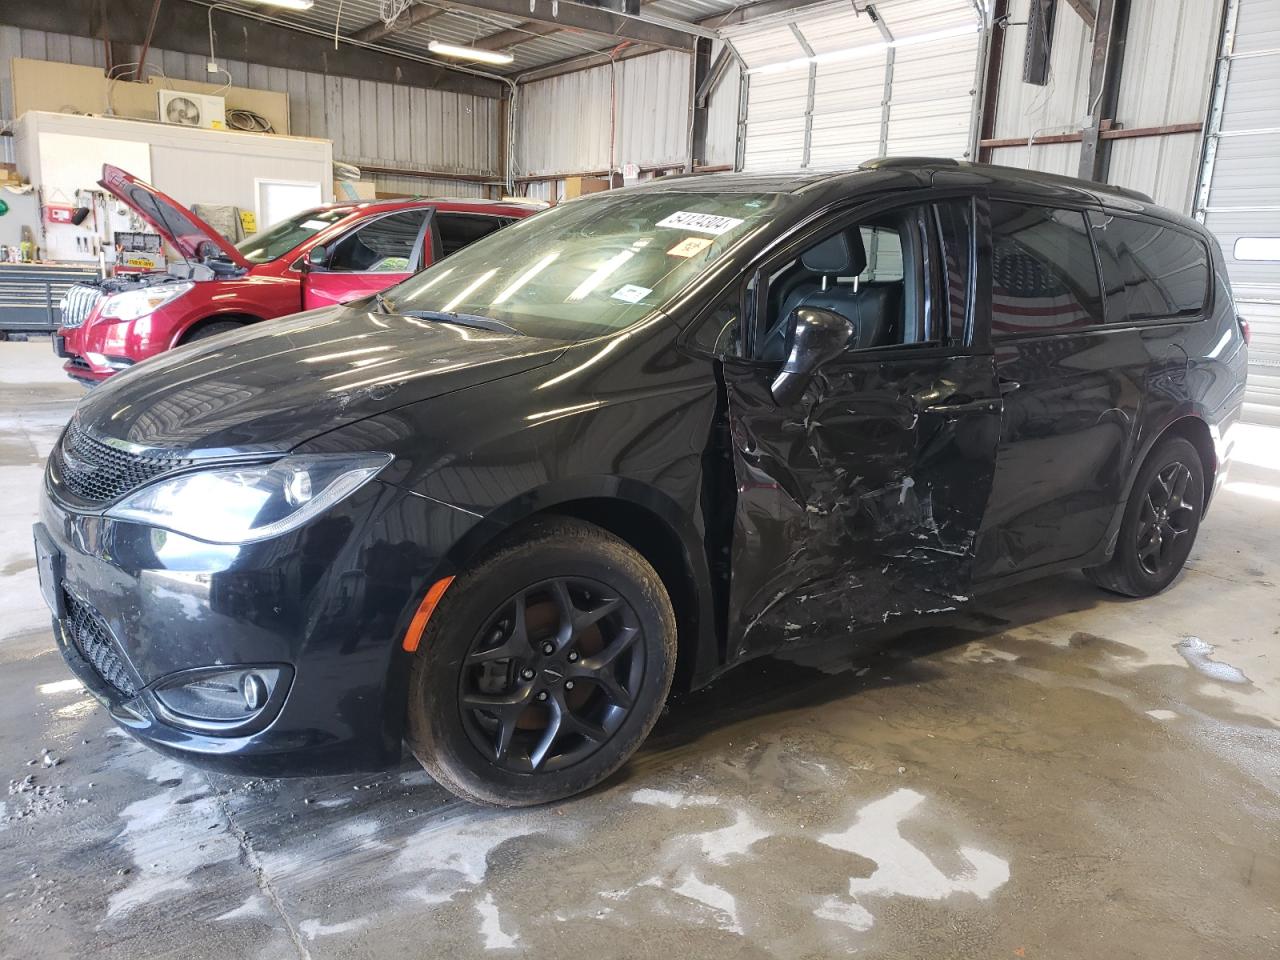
(573, 16)
(584, 62)
(756, 11)
(184, 27)
(410, 17)
(529, 30)
(520, 33)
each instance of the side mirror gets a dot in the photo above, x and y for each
(317, 257)
(817, 335)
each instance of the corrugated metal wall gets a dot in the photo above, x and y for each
(563, 123)
(829, 87)
(369, 122)
(1167, 71)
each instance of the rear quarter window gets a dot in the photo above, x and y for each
(1150, 271)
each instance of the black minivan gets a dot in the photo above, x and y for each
(498, 510)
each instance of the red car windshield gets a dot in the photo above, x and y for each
(279, 238)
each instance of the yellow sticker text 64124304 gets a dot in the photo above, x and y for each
(689, 246)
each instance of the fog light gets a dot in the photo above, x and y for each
(254, 690)
(219, 699)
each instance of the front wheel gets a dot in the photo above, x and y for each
(543, 668)
(1160, 523)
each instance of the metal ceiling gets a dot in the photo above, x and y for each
(468, 25)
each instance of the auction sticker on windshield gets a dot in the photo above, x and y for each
(701, 222)
(689, 246)
(631, 293)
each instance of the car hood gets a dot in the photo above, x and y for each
(280, 383)
(186, 233)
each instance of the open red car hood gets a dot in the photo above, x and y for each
(188, 234)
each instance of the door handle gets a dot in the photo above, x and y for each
(967, 406)
(1008, 386)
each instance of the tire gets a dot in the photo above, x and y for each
(211, 330)
(600, 674)
(1168, 496)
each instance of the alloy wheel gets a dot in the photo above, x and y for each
(1166, 517)
(552, 675)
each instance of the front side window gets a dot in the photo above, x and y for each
(384, 245)
(870, 272)
(1044, 278)
(1151, 271)
(278, 239)
(588, 267)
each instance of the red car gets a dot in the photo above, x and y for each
(330, 254)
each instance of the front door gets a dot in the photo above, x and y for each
(375, 255)
(859, 504)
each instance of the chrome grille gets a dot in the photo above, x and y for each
(96, 473)
(77, 303)
(92, 639)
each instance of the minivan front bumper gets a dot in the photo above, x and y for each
(319, 611)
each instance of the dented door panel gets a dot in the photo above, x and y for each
(859, 504)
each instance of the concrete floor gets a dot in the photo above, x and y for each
(1062, 774)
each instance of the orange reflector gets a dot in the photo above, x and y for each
(413, 636)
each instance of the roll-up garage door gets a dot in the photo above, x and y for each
(835, 84)
(1239, 197)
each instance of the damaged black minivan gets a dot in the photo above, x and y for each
(499, 509)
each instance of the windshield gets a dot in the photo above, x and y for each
(589, 267)
(279, 238)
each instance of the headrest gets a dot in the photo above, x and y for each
(839, 255)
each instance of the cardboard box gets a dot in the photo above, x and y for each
(580, 186)
(354, 190)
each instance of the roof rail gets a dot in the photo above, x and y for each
(889, 163)
(1125, 192)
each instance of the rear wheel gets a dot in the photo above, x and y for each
(543, 668)
(211, 330)
(1160, 523)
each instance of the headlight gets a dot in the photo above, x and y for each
(249, 503)
(133, 304)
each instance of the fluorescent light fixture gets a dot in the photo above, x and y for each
(870, 49)
(468, 53)
(288, 4)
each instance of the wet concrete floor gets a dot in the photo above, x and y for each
(1059, 774)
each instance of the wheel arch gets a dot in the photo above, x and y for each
(1192, 426)
(185, 334)
(648, 521)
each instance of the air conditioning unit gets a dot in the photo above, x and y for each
(193, 109)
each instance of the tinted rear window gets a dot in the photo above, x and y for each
(1151, 271)
(1044, 278)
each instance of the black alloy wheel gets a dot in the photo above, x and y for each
(543, 667)
(552, 675)
(1160, 522)
(1165, 516)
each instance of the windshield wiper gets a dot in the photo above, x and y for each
(462, 320)
(383, 303)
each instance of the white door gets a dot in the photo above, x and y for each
(829, 87)
(1239, 196)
